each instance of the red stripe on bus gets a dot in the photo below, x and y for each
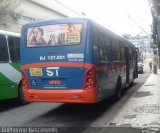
(56, 64)
(71, 64)
(110, 67)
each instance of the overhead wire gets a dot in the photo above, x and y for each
(131, 18)
(67, 7)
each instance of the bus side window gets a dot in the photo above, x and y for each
(102, 48)
(107, 48)
(121, 51)
(4, 57)
(130, 54)
(133, 58)
(118, 50)
(14, 48)
(95, 45)
(114, 53)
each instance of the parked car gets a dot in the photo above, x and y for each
(140, 67)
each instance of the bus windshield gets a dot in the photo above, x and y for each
(54, 35)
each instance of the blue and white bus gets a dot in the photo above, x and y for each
(74, 60)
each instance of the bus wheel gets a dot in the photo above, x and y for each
(131, 83)
(21, 96)
(132, 80)
(118, 89)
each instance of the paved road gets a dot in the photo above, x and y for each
(68, 115)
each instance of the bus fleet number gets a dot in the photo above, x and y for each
(58, 57)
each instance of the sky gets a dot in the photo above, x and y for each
(120, 16)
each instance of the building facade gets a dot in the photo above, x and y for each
(34, 10)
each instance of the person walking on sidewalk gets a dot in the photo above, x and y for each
(150, 65)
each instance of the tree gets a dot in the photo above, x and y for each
(7, 8)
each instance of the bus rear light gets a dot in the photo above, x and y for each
(25, 84)
(90, 79)
(24, 75)
(90, 73)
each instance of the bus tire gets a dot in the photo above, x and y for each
(132, 80)
(21, 95)
(118, 89)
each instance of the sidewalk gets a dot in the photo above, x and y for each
(143, 108)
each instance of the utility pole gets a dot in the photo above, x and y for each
(155, 62)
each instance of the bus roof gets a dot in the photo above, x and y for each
(104, 29)
(72, 20)
(62, 20)
(9, 33)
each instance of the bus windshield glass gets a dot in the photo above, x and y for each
(54, 35)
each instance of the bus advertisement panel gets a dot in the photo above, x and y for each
(54, 35)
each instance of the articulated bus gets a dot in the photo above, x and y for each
(10, 76)
(74, 60)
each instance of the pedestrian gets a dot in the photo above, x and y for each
(39, 36)
(150, 65)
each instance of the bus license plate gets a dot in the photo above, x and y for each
(55, 82)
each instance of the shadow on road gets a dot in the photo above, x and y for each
(8, 104)
(75, 117)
